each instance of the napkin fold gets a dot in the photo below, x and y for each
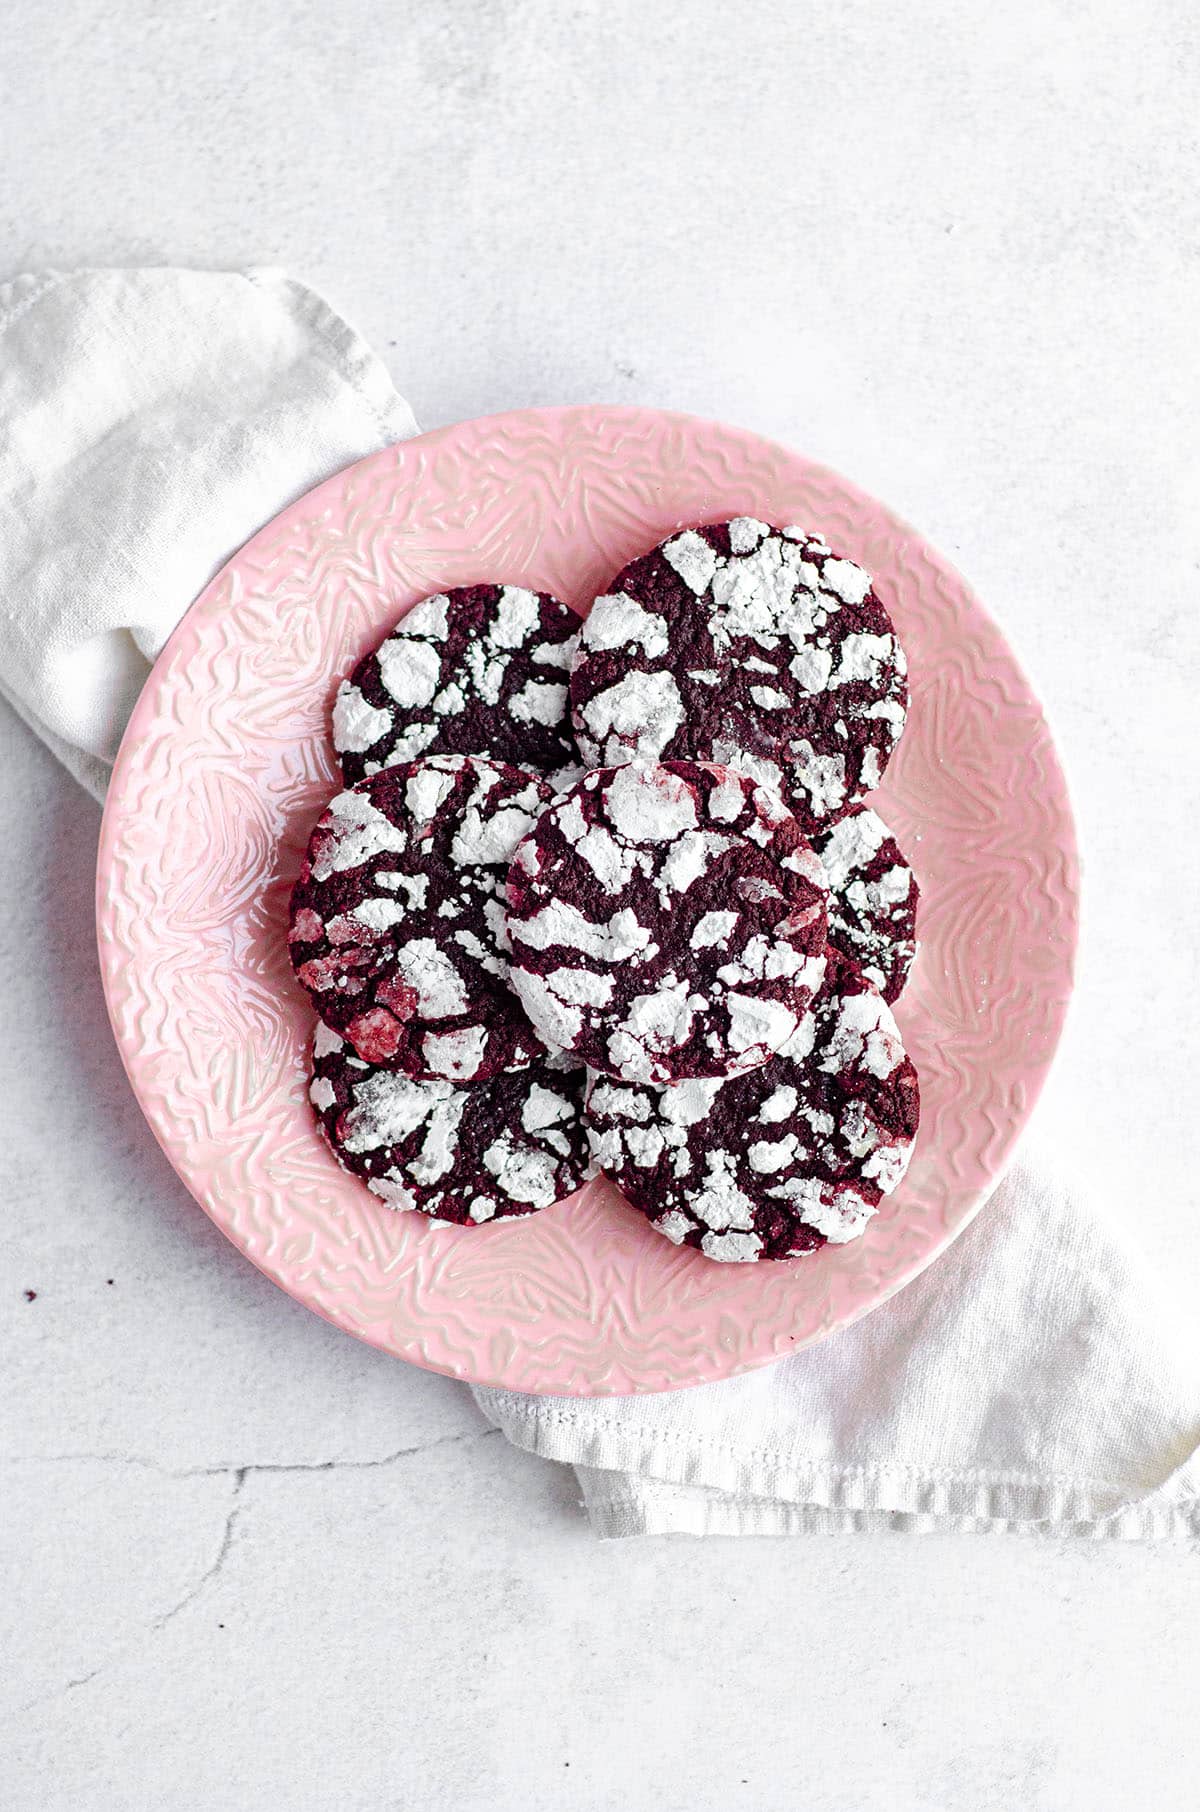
(150, 422)
(1031, 1380)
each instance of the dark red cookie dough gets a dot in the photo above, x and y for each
(783, 1159)
(753, 646)
(667, 921)
(873, 896)
(397, 927)
(481, 670)
(477, 1152)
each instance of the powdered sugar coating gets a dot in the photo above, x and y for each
(480, 670)
(748, 645)
(873, 897)
(667, 921)
(468, 1154)
(397, 920)
(781, 1160)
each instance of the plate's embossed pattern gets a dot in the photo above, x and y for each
(227, 761)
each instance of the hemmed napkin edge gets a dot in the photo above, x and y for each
(700, 1489)
(684, 1513)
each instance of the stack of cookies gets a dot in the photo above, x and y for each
(606, 895)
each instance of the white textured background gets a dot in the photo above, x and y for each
(951, 250)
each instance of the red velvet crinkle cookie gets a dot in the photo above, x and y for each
(397, 926)
(782, 1160)
(481, 670)
(667, 921)
(873, 896)
(481, 1151)
(748, 645)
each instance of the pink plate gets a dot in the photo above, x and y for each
(227, 761)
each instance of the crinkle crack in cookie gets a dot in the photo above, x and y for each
(397, 927)
(748, 645)
(480, 1152)
(481, 670)
(667, 921)
(782, 1160)
(873, 897)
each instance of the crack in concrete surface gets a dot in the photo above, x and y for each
(245, 1467)
(210, 1572)
(239, 1474)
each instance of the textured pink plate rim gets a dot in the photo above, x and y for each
(226, 761)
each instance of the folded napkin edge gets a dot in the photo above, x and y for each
(92, 772)
(354, 358)
(891, 1488)
(351, 354)
(648, 1510)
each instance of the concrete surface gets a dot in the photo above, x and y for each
(949, 250)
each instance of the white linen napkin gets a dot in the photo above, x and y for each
(1030, 1380)
(150, 422)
